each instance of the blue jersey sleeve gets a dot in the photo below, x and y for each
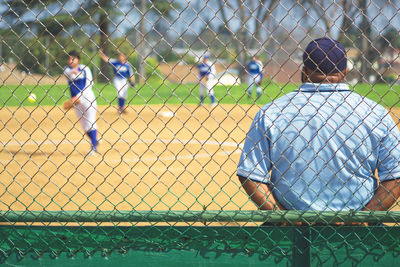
(255, 161)
(73, 89)
(78, 84)
(389, 152)
(204, 69)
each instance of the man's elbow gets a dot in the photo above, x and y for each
(242, 180)
(393, 188)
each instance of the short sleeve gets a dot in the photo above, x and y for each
(389, 152)
(255, 162)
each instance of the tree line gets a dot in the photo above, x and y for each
(38, 34)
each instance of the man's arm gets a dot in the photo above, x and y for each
(385, 196)
(103, 56)
(260, 194)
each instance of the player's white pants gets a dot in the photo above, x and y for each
(253, 80)
(208, 85)
(86, 110)
(121, 85)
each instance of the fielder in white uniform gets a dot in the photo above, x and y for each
(122, 74)
(255, 74)
(206, 79)
(80, 81)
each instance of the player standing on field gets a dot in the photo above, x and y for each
(80, 81)
(122, 74)
(206, 75)
(255, 73)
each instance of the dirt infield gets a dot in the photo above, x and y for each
(147, 160)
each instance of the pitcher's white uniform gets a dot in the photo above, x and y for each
(80, 85)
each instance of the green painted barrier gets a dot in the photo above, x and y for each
(200, 246)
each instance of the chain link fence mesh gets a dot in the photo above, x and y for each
(168, 143)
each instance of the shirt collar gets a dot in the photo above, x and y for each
(323, 87)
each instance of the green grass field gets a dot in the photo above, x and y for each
(156, 92)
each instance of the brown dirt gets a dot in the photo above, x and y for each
(146, 161)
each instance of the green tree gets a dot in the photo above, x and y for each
(390, 39)
(49, 27)
(161, 10)
(35, 37)
(246, 27)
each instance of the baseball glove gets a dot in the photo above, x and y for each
(131, 84)
(70, 103)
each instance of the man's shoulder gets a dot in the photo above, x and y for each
(362, 100)
(278, 104)
(375, 107)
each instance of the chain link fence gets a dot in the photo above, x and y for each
(123, 124)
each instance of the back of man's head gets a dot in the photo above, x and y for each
(326, 56)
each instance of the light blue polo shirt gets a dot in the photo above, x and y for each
(319, 147)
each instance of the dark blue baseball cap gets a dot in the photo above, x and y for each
(325, 55)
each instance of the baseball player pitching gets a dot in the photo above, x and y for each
(255, 74)
(206, 75)
(83, 100)
(123, 76)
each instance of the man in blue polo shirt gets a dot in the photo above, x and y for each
(318, 148)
